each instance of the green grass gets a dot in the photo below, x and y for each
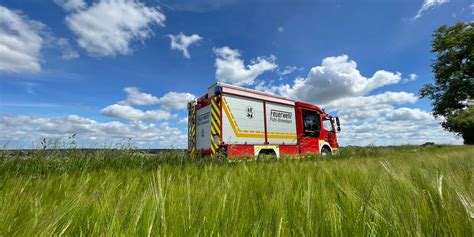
(401, 191)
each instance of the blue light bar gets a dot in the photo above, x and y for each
(217, 90)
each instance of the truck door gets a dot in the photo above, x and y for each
(311, 129)
(327, 132)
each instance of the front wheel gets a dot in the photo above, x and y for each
(325, 152)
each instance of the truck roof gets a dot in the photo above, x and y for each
(245, 92)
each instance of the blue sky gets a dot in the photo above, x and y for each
(66, 65)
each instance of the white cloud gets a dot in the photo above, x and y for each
(231, 69)
(289, 70)
(387, 97)
(183, 121)
(20, 42)
(71, 5)
(367, 107)
(338, 86)
(408, 114)
(181, 42)
(171, 100)
(136, 97)
(266, 87)
(201, 6)
(109, 27)
(429, 5)
(27, 131)
(336, 78)
(130, 113)
(413, 77)
(375, 120)
(175, 100)
(386, 132)
(68, 52)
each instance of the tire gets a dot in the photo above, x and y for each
(325, 152)
(221, 155)
(266, 155)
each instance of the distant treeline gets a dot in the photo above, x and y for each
(149, 151)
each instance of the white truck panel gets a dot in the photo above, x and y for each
(281, 123)
(203, 128)
(242, 120)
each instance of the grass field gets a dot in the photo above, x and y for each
(401, 191)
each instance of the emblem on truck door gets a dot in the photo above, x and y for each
(250, 112)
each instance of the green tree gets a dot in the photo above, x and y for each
(452, 93)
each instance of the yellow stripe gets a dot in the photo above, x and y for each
(213, 131)
(214, 146)
(215, 125)
(217, 130)
(192, 132)
(231, 119)
(216, 118)
(281, 133)
(214, 106)
(213, 151)
(282, 136)
(217, 113)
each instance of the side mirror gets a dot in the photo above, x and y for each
(338, 124)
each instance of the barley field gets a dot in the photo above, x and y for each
(376, 191)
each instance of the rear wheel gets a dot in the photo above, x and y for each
(221, 154)
(266, 154)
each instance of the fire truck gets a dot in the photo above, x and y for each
(235, 122)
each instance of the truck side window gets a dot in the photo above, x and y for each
(327, 124)
(311, 123)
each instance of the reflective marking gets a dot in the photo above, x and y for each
(192, 131)
(215, 124)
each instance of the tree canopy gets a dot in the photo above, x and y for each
(452, 93)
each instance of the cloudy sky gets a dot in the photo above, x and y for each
(108, 70)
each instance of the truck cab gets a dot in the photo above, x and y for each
(316, 129)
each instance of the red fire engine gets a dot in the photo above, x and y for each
(237, 122)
